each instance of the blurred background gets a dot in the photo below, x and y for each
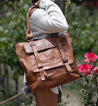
(82, 17)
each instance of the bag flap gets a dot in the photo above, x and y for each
(41, 45)
(28, 48)
(46, 43)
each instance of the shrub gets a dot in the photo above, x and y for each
(89, 70)
(83, 27)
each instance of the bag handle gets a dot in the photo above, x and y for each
(28, 31)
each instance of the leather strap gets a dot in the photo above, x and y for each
(40, 68)
(66, 62)
(31, 42)
(60, 47)
(28, 31)
(43, 74)
(35, 52)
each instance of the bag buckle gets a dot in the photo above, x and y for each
(31, 43)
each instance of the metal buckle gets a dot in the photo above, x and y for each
(31, 43)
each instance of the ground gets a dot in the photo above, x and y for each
(74, 99)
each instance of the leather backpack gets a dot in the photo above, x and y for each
(47, 62)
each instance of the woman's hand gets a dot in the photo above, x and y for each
(37, 3)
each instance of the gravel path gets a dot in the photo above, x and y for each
(74, 99)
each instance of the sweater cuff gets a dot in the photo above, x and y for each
(43, 3)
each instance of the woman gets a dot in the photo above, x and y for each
(45, 19)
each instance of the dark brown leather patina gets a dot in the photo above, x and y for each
(47, 62)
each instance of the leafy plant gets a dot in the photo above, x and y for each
(89, 70)
(13, 30)
(83, 26)
(64, 103)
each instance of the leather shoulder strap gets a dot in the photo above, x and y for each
(28, 31)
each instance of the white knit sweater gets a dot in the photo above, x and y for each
(46, 20)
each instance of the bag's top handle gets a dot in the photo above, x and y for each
(28, 31)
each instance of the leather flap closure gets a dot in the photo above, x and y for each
(28, 48)
(40, 45)
(45, 44)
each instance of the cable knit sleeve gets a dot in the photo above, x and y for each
(56, 18)
(48, 19)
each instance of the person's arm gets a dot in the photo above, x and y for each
(49, 18)
(56, 16)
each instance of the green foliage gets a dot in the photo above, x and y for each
(8, 95)
(72, 86)
(83, 27)
(89, 92)
(64, 103)
(13, 30)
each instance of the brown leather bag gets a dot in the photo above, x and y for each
(47, 62)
